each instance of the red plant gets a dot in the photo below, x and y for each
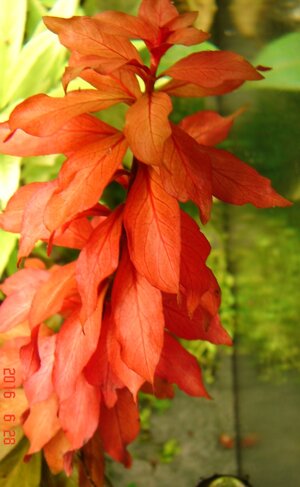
(140, 280)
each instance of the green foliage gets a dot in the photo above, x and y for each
(282, 55)
(14, 471)
(32, 61)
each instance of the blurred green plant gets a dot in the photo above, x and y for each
(25, 45)
(282, 54)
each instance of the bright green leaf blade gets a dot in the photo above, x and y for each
(15, 472)
(283, 56)
(7, 245)
(60, 8)
(12, 25)
(34, 15)
(9, 177)
(40, 66)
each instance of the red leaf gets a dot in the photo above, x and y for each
(42, 115)
(208, 127)
(83, 129)
(119, 426)
(98, 259)
(79, 414)
(75, 347)
(152, 225)
(138, 317)
(50, 296)
(190, 90)
(200, 327)
(91, 469)
(178, 366)
(86, 173)
(237, 183)
(194, 275)
(122, 24)
(157, 12)
(186, 172)
(42, 424)
(160, 388)
(211, 68)
(147, 127)
(187, 36)
(98, 371)
(183, 20)
(86, 36)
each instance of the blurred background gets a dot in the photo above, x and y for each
(251, 428)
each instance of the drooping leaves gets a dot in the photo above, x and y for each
(152, 225)
(235, 182)
(178, 366)
(119, 426)
(137, 312)
(186, 172)
(98, 259)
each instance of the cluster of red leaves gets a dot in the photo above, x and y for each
(141, 279)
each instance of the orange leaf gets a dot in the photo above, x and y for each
(152, 225)
(85, 173)
(98, 259)
(122, 24)
(42, 423)
(208, 127)
(83, 129)
(187, 36)
(86, 36)
(50, 296)
(157, 12)
(79, 413)
(189, 90)
(55, 450)
(211, 68)
(138, 317)
(42, 115)
(75, 347)
(147, 127)
(186, 172)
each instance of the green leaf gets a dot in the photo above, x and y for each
(9, 177)
(282, 55)
(12, 25)
(39, 67)
(34, 15)
(7, 246)
(14, 471)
